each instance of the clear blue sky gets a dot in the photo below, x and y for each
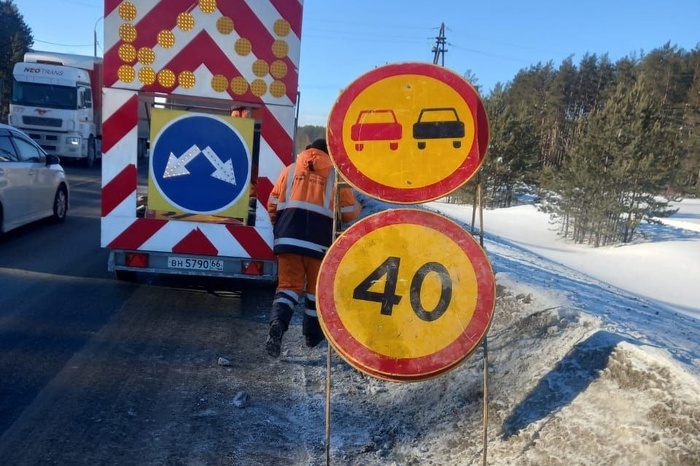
(343, 39)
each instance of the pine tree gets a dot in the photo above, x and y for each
(687, 118)
(611, 180)
(513, 151)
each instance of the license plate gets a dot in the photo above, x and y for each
(189, 263)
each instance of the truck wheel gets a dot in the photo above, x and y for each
(60, 205)
(90, 160)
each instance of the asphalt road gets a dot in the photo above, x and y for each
(84, 356)
(56, 292)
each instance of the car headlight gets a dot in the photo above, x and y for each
(73, 141)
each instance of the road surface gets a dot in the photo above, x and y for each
(95, 371)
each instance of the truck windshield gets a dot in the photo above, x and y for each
(44, 95)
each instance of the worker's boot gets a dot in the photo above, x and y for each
(274, 338)
(311, 328)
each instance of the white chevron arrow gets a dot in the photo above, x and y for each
(176, 166)
(224, 170)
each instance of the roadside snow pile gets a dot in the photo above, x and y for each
(562, 390)
(580, 372)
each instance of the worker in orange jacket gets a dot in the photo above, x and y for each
(301, 207)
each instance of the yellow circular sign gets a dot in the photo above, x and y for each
(408, 165)
(405, 293)
(408, 133)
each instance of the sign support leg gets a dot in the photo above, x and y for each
(337, 230)
(486, 403)
(328, 406)
(478, 204)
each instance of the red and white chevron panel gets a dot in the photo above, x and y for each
(245, 50)
(122, 229)
(236, 50)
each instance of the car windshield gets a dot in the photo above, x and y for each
(44, 95)
(434, 115)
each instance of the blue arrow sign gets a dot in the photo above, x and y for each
(200, 163)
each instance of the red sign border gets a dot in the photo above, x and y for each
(395, 377)
(472, 162)
(405, 369)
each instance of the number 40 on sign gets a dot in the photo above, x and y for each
(405, 294)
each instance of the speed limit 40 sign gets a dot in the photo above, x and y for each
(405, 295)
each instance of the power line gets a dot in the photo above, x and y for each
(488, 54)
(99, 4)
(349, 36)
(62, 45)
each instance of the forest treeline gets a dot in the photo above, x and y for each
(604, 145)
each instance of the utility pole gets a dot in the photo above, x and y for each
(439, 48)
(94, 36)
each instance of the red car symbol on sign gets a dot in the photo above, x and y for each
(376, 125)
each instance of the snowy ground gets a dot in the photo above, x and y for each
(593, 359)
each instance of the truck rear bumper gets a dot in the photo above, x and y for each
(192, 265)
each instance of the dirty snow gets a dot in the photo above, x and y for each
(593, 359)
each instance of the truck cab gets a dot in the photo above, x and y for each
(58, 104)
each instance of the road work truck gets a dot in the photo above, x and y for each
(198, 206)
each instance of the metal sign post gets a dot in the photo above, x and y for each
(406, 133)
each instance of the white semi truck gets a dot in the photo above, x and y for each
(57, 100)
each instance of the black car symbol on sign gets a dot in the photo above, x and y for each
(438, 123)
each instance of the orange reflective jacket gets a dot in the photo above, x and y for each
(302, 203)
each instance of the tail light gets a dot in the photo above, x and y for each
(136, 259)
(252, 267)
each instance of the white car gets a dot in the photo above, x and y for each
(33, 184)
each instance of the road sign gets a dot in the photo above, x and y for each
(405, 294)
(200, 163)
(408, 133)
